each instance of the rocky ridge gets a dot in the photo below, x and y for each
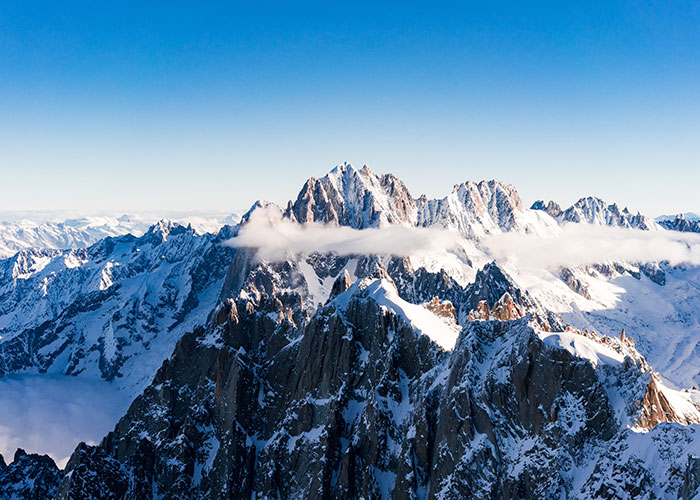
(592, 210)
(352, 400)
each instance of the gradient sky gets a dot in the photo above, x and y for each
(187, 106)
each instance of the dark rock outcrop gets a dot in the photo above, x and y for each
(29, 477)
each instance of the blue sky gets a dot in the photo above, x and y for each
(182, 106)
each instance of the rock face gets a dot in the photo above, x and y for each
(352, 401)
(503, 310)
(28, 477)
(356, 198)
(552, 208)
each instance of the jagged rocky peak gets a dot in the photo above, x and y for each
(442, 308)
(681, 223)
(29, 477)
(475, 209)
(360, 199)
(262, 206)
(341, 284)
(164, 228)
(504, 309)
(552, 208)
(656, 406)
(593, 210)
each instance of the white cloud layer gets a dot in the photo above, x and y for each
(578, 244)
(275, 238)
(51, 414)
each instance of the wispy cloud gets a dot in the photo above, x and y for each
(578, 244)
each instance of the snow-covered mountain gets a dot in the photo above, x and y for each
(100, 311)
(83, 232)
(593, 210)
(362, 199)
(356, 198)
(690, 216)
(363, 374)
(476, 209)
(685, 223)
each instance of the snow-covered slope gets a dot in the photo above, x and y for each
(113, 310)
(658, 307)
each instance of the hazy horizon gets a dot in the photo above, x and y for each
(172, 212)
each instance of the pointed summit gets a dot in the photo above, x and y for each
(476, 209)
(341, 284)
(592, 210)
(356, 198)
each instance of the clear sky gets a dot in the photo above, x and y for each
(200, 105)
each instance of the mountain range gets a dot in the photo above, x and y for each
(53, 232)
(469, 371)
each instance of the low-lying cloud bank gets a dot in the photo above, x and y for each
(276, 238)
(579, 244)
(51, 414)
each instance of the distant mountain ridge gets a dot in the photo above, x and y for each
(83, 232)
(682, 223)
(592, 210)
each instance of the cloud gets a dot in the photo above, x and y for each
(275, 238)
(51, 414)
(578, 244)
